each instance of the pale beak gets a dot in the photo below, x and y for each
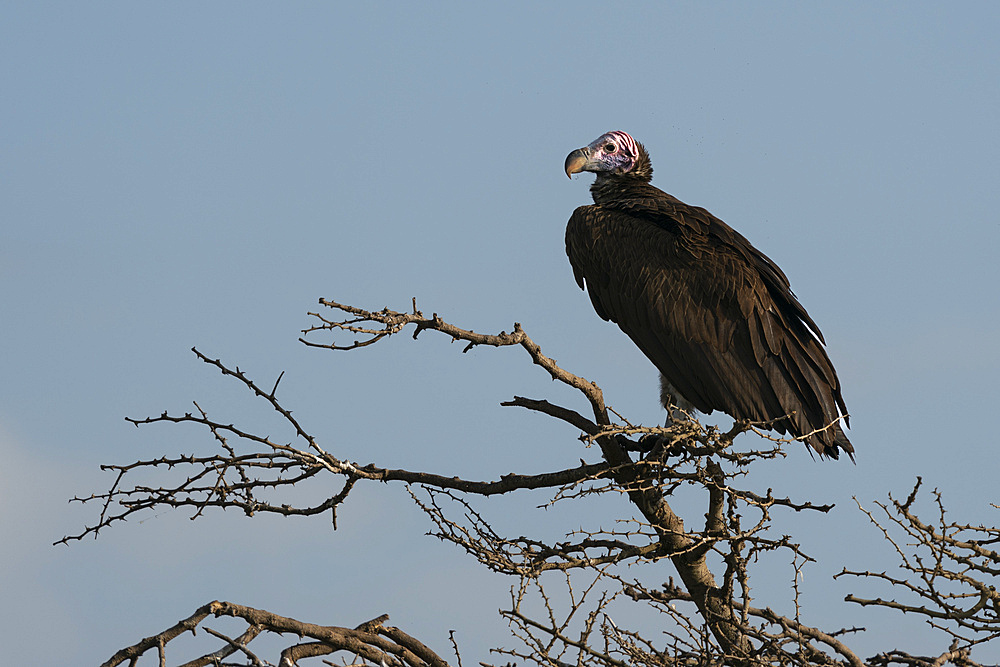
(577, 161)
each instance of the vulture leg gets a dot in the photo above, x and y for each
(678, 411)
(678, 408)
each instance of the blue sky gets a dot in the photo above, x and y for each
(188, 174)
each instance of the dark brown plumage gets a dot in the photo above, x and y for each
(713, 313)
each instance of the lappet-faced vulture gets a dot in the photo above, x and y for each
(714, 314)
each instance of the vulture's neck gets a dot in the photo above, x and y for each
(612, 187)
(615, 187)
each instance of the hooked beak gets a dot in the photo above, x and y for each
(577, 161)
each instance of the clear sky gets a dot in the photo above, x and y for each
(183, 174)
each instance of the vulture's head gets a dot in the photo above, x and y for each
(613, 153)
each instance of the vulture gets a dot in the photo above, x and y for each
(714, 314)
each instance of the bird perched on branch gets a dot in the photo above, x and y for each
(714, 314)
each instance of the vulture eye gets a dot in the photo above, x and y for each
(610, 148)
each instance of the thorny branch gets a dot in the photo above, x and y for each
(648, 465)
(374, 326)
(372, 641)
(948, 568)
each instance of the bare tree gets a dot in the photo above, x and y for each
(707, 616)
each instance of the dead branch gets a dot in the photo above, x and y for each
(235, 478)
(944, 567)
(779, 639)
(376, 325)
(373, 641)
